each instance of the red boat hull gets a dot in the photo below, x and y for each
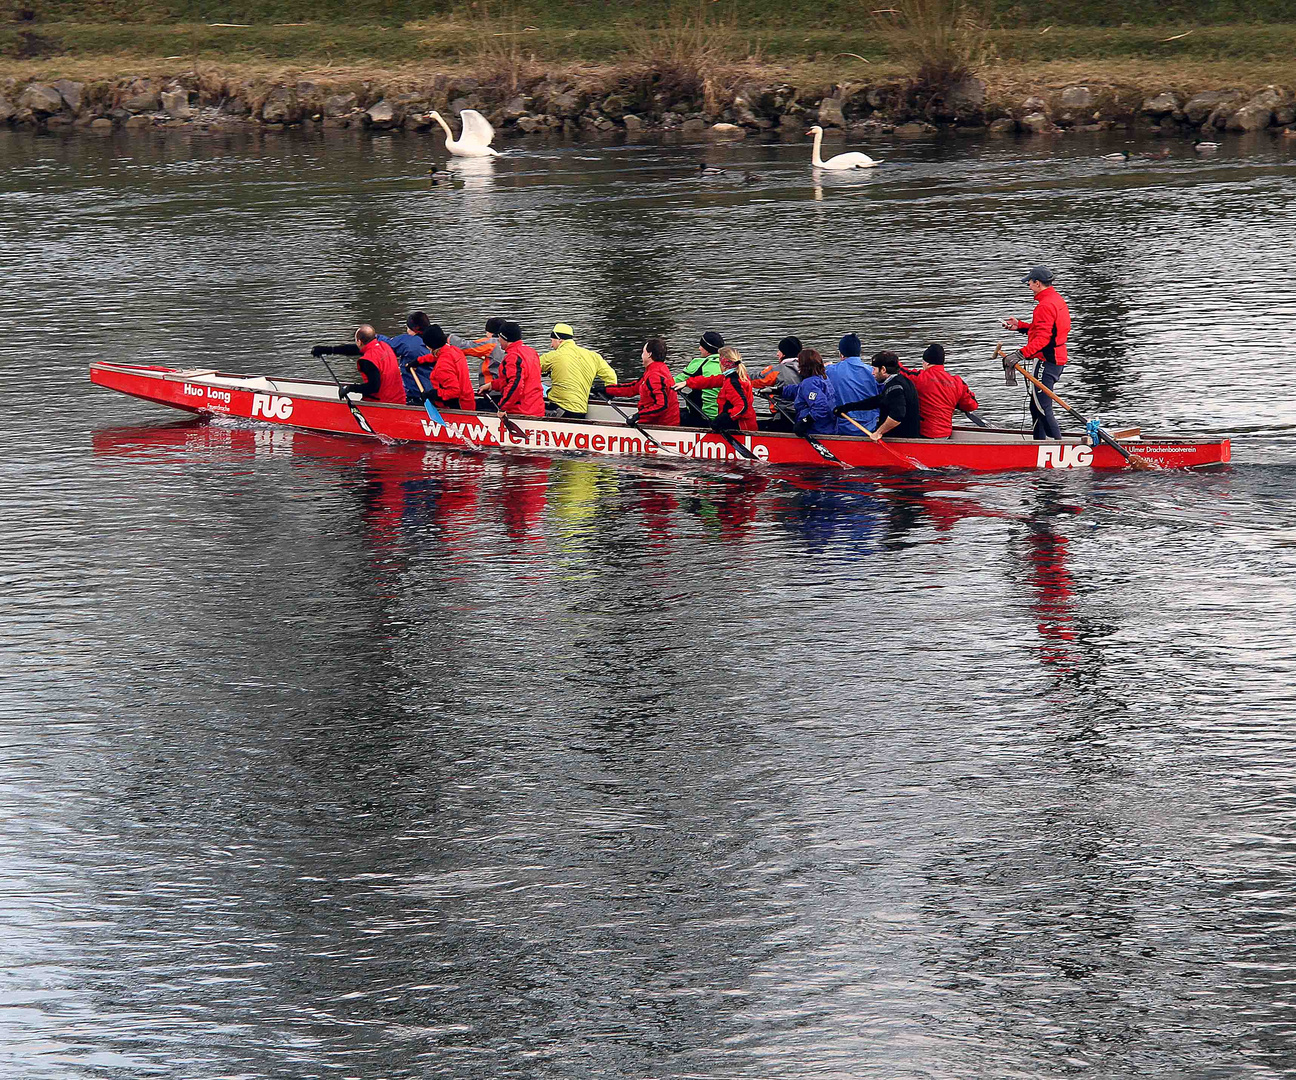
(315, 407)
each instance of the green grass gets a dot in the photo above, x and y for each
(575, 14)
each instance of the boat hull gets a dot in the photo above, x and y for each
(314, 406)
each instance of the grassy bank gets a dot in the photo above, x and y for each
(1245, 55)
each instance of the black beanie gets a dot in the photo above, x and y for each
(849, 345)
(712, 341)
(934, 354)
(790, 347)
(510, 331)
(434, 337)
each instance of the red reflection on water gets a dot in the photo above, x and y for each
(1054, 588)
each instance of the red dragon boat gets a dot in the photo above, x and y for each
(314, 406)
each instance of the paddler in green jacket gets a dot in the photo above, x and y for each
(707, 362)
(572, 371)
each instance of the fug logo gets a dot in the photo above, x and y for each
(272, 408)
(1065, 457)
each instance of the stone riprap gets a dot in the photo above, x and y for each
(619, 102)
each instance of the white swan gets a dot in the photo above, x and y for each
(476, 138)
(841, 161)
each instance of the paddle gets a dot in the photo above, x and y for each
(907, 462)
(819, 447)
(433, 413)
(1136, 462)
(517, 433)
(646, 434)
(386, 440)
(741, 450)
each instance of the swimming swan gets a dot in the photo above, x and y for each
(841, 161)
(476, 138)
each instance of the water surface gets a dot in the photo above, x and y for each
(326, 759)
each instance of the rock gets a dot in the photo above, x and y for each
(604, 124)
(144, 102)
(1258, 113)
(71, 93)
(962, 102)
(101, 124)
(515, 107)
(830, 113)
(791, 122)
(336, 105)
(1285, 114)
(1163, 104)
(176, 104)
(529, 124)
(614, 105)
(6, 110)
(693, 126)
(632, 123)
(139, 121)
(41, 100)
(567, 105)
(915, 127)
(1200, 106)
(1077, 97)
(280, 107)
(1034, 105)
(1037, 123)
(727, 129)
(382, 115)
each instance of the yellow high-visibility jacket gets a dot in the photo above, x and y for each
(572, 371)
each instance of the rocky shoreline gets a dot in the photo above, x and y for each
(630, 104)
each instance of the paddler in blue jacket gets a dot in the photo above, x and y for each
(853, 380)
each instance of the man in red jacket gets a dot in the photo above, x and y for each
(939, 394)
(655, 388)
(376, 362)
(443, 373)
(521, 392)
(1046, 337)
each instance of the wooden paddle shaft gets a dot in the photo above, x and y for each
(906, 462)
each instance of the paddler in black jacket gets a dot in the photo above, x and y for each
(897, 403)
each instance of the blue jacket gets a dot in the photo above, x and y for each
(852, 380)
(408, 348)
(814, 402)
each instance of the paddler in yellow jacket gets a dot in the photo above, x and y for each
(572, 371)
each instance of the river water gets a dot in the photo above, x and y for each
(321, 759)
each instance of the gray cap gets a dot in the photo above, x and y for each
(1042, 274)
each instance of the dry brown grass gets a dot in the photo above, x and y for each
(942, 42)
(695, 51)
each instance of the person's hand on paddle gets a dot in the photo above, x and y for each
(343, 391)
(322, 350)
(1013, 324)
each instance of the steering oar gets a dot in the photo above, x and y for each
(1135, 461)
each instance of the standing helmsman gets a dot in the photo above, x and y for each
(1046, 337)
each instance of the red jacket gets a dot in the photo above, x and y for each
(939, 394)
(450, 379)
(519, 381)
(1047, 331)
(390, 387)
(656, 389)
(735, 397)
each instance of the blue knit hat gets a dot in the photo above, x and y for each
(849, 345)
